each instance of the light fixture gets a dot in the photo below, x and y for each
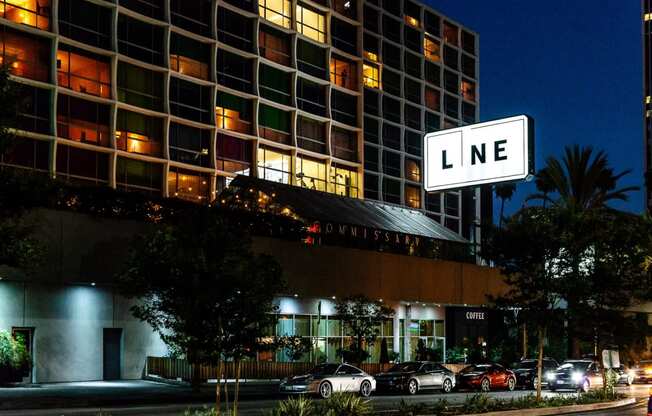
(92, 283)
(333, 297)
(296, 295)
(380, 300)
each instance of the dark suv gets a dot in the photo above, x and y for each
(526, 372)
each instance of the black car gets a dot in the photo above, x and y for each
(412, 376)
(577, 375)
(526, 372)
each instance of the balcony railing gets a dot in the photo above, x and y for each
(278, 136)
(137, 143)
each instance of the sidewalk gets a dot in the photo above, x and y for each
(120, 393)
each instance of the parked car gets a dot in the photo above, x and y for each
(625, 376)
(526, 372)
(413, 376)
(643, 371)
(486, 377)
(578, 375)
(325, 379)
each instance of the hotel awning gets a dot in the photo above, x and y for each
(313, 205)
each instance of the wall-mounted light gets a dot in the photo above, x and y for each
(296, 295)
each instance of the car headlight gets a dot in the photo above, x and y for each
(648, 371)
(577, 377)
(550, 376)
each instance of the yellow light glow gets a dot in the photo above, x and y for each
(370, 76)
(648, 99)
(648, 17)
(411, 21)
(371, 56)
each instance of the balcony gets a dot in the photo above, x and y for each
(137, 143)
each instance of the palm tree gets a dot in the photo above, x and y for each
(504, 192)
(582, 179)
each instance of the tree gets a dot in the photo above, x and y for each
(362, 319)
(201, 287)
(522, 250)
(295, 347)
(504, 192)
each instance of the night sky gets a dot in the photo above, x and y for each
(574, 66)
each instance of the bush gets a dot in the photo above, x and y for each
(203, 412)
(14, 358)
(345, 404)
(301, 406)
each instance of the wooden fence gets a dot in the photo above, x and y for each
(172, 369)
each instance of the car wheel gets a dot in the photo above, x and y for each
(365, 389)
(447, 387)
(325, 390)
(511, 384)
(412, 387)
(585, 386)
(485, 385)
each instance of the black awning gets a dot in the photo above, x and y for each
(313, 205)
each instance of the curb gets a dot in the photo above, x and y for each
(563, 410)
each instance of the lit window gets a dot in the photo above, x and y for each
(137, 133)
(371, 56)
(371, 76)
(412, 170)
(412, 21)
(413, 197)
(188, 66)
(431, 49)
(27, 56)
(34, 13)
(311, 24)
(276, 11)
(274, 165)
(233, 113)
(83, 73)
(344, 181)
(311, 173)
(468, 90)
(188, 185)
(648, 17)
(343, 73)
(648, 100)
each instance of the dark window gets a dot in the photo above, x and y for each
(83, 121)
(189, 57)
(233, 113)
(248, 5)
(391, 109)
(311, 59)
(34, 109)
(433, 122)
(140, 176)
(82, 165)
(345, 8)
(235, 30)
(138, 133)
(370, 45)
(344, 108)
(140, 87)
(392, 82)
(412, 39)
(311, 135)
(371, 102)
(344, 36)
(392, 28)
(392, 163)
(274, 84)
(140, 40)
(85, 22)
(451, 33)
(371, 19)
(413, 142)
(371, 158)
(451, 82)
(433, 73)
(433, 202)
(190, 101)
(433, 98)
(190, 145)
(150, 8)
(431, 24)
(371, 186)
(392, 6)
(392, 55)
(234, 71)
(274, 124)
(468, 42)
(451, 57)
(233, 155)
(412, 116)
(451, 204)
(450, 106)
(27, 56)
(274, 45)
(413, 64)
(412, 90)
(391, 191)
(344, 144)
(391, 136)
(311, 97)
(28, 153)
(468, 66)
(194, 16)
(468, 113)
(371, 130)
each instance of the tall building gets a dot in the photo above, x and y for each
(647, 106)
(177, 97)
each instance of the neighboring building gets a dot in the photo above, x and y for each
(647, 105)
(176, 98)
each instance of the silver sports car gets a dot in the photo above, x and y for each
(325, 379)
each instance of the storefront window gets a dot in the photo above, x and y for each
(34, 13)
(276, 11)
(311, 173)
(84, 73)
(274, 165)
(302, 325)
(344, 181)
(311, 24)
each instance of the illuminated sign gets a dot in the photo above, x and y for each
(477, 154)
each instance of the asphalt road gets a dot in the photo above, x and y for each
(261, 407)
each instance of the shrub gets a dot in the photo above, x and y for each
(301, 406)
(343, 404)
(14, 358)
(206, 411)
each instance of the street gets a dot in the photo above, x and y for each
(257, 407)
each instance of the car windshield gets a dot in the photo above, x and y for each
(405, 367)
(575, 365)
(476, 368)
(324, 369)
(526, 364)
